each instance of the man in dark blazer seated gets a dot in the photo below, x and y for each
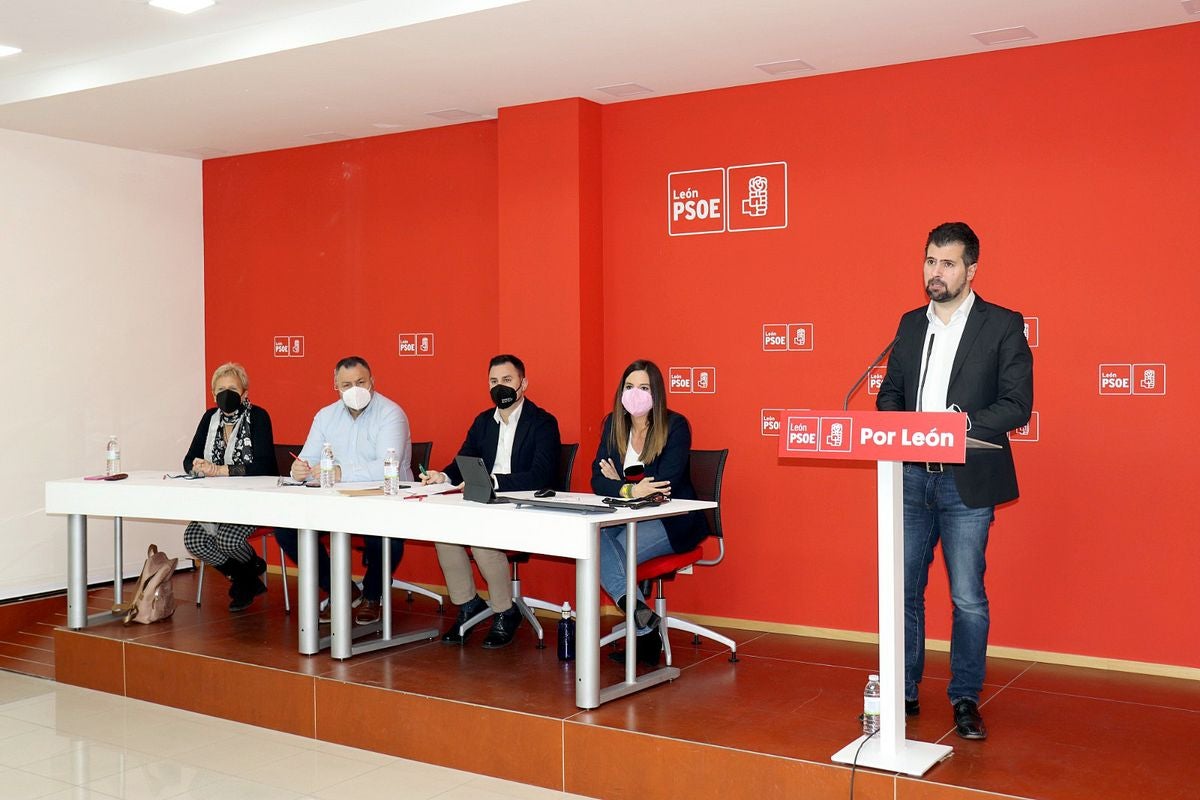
(958, 353)
(520, 445)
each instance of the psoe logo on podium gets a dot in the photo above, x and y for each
(875, 378)
(1114, 379)
(836, 435)
(1031, 331)
(288, 347)
(1028, 432)
(803, 434)
(696, 201)
(679, 380)
(758, 196)
(1149, 379)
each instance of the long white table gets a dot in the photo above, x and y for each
(260, 501)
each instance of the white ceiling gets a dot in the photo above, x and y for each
(250, 75)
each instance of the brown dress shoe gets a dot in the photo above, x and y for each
(370, 611)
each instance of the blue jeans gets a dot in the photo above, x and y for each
(934, 512)
(652, 542)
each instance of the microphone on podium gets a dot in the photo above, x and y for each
(874, 364)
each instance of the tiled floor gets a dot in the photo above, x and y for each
(61, 742)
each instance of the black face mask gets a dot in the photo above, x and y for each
(228, 400)
(503, 396)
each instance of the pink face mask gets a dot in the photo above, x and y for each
(637, 402)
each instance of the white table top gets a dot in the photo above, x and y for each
(260, 501)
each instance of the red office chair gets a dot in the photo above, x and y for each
(566, 465)
(707, 470)
(283, 461)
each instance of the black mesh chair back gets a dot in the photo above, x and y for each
(283, 457)
(707, 471)
(421, 451)
(566, 465)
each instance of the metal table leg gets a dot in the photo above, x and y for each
(340, 643)
(587, 620)
(310, 635)
(77, 617)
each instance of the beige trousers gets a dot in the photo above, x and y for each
(460, 581)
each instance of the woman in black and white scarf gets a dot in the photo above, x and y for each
(232, 440)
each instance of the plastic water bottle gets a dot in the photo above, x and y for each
(566, 634)
(112, 457)
(391, 472)
(871, 706)
(327, 466)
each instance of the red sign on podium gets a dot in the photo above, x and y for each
(875, 435)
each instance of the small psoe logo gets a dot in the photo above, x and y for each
(1150, 379)
(875, 379)
(1028, 432)
(1127, 379)
(692, 380)
(757, 203)
(415, 344)
(802, 433)
(289, 347)
(1031, 331)
(771, 421)
(781, 336)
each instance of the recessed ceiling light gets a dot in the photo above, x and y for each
(454, 114)
(327, 136)
(1191, 6)
(182, 6)
(5, 50)
(784, 67)
(1005, 35)
(624, 89)
(388, 126)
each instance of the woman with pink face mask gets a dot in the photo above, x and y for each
(644, 449)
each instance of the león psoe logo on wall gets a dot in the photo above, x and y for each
(757, 203)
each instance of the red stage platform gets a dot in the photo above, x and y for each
(762, 728)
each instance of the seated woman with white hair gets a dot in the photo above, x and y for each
(233, 439)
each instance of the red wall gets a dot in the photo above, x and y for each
(1076, 163)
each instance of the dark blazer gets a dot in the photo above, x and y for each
(673, 464)
(991, 379)
(535, 451)
(262, 443)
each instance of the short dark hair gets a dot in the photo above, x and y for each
(508, 358)
(351, 361)
(956, 233)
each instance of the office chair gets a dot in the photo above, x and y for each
(283, 461)
(566, 465)
(707, 470)
(421, 452)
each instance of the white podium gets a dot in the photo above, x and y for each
(888, 438)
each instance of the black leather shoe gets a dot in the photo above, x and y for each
(967, 721)
(649, 650)
(504, 628)
(912, 708)
(465, 612)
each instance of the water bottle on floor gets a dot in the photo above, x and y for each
(327, 466)
(871, 706)
(112, 457)
(391, 472)
(566, 634)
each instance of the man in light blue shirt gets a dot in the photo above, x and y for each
(361, 427)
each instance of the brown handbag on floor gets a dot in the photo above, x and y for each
(154, 597)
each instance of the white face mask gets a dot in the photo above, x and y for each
(356, 398)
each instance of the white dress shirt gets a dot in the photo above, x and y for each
(360, 444)
(508, 434)
(937, 362)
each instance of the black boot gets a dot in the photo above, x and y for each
(246, 583)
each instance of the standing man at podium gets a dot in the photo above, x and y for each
(958, 353)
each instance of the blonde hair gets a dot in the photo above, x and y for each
(231, 368)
